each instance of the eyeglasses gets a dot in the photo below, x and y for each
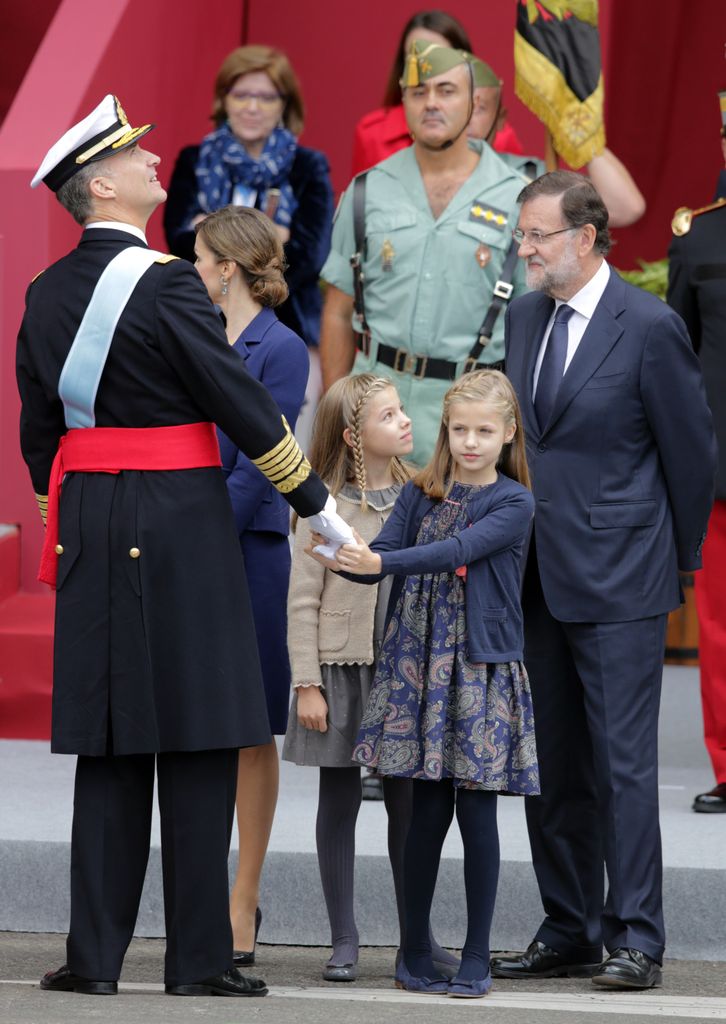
(537, 237)
(266, 100)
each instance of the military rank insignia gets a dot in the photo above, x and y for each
(387, 254)
(490, 215)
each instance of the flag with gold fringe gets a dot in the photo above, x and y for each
(558, 73)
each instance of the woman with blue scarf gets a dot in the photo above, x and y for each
(252, 158)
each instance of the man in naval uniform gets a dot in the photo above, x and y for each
(438, 228)
(697, 290)
(123, 367)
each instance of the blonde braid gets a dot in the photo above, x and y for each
(358, 459)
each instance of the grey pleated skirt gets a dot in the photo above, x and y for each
(346, 689)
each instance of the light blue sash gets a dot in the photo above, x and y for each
(86, 359)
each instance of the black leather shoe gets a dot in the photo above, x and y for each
(628, 968)
(713, 802)
(231, 983)
(64, 980)
(241, 958)
(539, 961)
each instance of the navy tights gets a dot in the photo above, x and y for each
(433, 810)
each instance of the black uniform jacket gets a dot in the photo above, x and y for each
(156, 652)
(697, 290)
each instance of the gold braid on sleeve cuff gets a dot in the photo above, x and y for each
(285, 465)
(42, 500)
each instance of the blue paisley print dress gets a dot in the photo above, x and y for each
(432, 714)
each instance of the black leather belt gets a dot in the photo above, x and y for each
(403, 361)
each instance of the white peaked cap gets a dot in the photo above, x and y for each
(105, 132)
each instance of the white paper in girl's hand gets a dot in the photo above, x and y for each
(331, 526)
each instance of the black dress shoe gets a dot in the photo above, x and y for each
(713, 802)
(64, 980)
(231, 983)
(628, 968)
(539, 961)
(240, 957)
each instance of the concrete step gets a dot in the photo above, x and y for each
(35, 810)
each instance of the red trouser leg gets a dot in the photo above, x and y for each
(710, 584)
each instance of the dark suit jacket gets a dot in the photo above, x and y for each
(697, 290)
(309, 242)
(157, 652)
(623, 472)
(278, 358)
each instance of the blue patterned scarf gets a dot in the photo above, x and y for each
(223, 164)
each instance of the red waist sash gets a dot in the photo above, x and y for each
(113, 449)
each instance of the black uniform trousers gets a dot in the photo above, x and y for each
(596, 694)
(110, 849)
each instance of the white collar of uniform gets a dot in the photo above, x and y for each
(585, 301)
(117, 225)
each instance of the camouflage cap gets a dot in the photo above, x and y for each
(426, 60)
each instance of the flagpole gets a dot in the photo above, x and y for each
(551, 159)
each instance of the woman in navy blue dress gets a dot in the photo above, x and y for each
(239, 257)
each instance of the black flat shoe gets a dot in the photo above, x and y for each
(628, 968)
(231, 983)
(240, 958)
(713, 802)
(540, 961)
(64, 980)
(343, 972)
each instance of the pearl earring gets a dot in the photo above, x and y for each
(224, 285)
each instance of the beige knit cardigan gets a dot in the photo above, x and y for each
(329, 619)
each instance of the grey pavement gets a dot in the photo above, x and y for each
(693, 991)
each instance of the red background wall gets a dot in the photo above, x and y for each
(663, 64)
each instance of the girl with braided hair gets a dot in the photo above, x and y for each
(450, 709)
(360, 436)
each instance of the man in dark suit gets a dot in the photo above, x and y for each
(697, 290)
(122, 363)
(622, 455)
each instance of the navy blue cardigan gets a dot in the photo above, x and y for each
(305, 252)
(491, 548)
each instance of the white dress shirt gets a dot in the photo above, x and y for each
(583, 303)
(117, 225)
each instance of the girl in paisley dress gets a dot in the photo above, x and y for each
(360, 436)
(450, 706)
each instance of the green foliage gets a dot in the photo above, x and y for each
(652, 277)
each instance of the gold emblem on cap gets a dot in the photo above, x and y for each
(120, 112)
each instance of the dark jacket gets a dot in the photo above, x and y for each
(623, 471)
(697, 290)
(491, 549)
(276, 357)
(156, 652)
(309, 242)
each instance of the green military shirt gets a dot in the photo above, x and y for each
(425, 290)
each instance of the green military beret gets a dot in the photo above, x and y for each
(426, 60)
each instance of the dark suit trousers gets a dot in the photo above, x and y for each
(110, 849)
(596, 693)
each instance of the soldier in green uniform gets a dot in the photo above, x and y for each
(438, 223)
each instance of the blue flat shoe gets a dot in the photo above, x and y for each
(427, 986)
(469, 989)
